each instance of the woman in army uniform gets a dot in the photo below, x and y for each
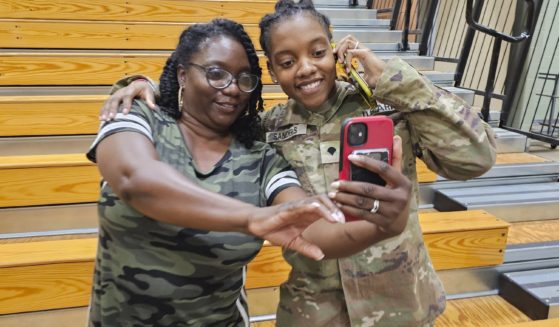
(391, 283)
(179, 208)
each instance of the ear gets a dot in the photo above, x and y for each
(181, 74)
(271, 72)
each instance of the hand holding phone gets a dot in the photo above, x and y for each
(371, 136)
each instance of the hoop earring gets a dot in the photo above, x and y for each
(180, 98)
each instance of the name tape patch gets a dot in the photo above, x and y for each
(298, 129)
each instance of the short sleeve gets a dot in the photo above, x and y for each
(277, 175)
(139, 120)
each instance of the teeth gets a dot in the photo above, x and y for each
(310, 86)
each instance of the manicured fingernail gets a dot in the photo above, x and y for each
(339, 217)
(331, 195)
(353, 157)
(320, 257)
(335, 185)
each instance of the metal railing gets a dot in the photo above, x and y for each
(532, 110)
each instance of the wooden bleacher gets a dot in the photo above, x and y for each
(455, 240)
(54, 44)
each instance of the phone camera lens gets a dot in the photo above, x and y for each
(357, 134)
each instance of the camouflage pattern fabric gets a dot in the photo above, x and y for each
(392, 283)
(150, 273)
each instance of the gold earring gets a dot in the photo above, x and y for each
(180, 98)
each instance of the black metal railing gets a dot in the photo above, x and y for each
(407, 21)
(532, 110)
(472, 17)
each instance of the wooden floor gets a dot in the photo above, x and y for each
(489, 311)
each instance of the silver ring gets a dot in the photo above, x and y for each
(356, 45)
(376, 206)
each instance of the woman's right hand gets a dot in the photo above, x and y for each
(284, 224)
(349, 47)
(123, 98)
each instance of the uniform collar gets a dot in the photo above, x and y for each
(296, 113)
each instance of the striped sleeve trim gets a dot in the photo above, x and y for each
(121, 123)
(279, 182)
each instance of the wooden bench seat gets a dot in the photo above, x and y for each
(67, 178)
(83, 68)
(47, 179)
(62, 34)
(56, 274)
(242, 11)
(64, 114)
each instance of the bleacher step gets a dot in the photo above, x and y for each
(508, 141)
(521, 202)
(47, 220)
(46, 145)
(343, 23)
(534, 292)
(347, 13)
(57, 274)
(47, 180)
(365, 35)
(337, 3)
(465, 94)
(390, 46)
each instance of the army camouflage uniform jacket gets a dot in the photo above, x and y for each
(392, 283)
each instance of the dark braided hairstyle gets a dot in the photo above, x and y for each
(247, 127)
(285, 9)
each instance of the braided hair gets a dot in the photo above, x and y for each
(285, 9)
(247, 127)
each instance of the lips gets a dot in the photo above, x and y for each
(227, 106)
(309, 87)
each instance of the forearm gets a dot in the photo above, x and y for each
(454, 141)
(159, 191)
(342, 240)
(169, 197)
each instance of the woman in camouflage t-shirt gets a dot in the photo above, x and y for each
(171, 254)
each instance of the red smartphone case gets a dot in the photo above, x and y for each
(380, 132)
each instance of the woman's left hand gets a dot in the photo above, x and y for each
(386, 206)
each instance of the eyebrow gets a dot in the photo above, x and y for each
(222, 65)
(313, 41)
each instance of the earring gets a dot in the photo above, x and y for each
(275, 81)
(180, 98)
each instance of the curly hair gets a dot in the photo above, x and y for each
(285, 9)
(247, 128)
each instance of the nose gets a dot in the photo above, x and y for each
(232, 88)
(306, 67)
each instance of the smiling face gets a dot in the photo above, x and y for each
(213, 108)
(302, 60)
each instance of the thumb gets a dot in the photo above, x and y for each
(306, 248)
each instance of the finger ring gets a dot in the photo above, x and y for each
(356, 45)
(376, 206)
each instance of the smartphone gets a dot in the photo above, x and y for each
(355, 78)
(354, 75)
(371, 136)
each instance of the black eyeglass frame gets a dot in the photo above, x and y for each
(231, 77)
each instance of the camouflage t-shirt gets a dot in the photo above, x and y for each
(150, 273)
(392, 283)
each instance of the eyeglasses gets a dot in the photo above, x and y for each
(220, 78)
